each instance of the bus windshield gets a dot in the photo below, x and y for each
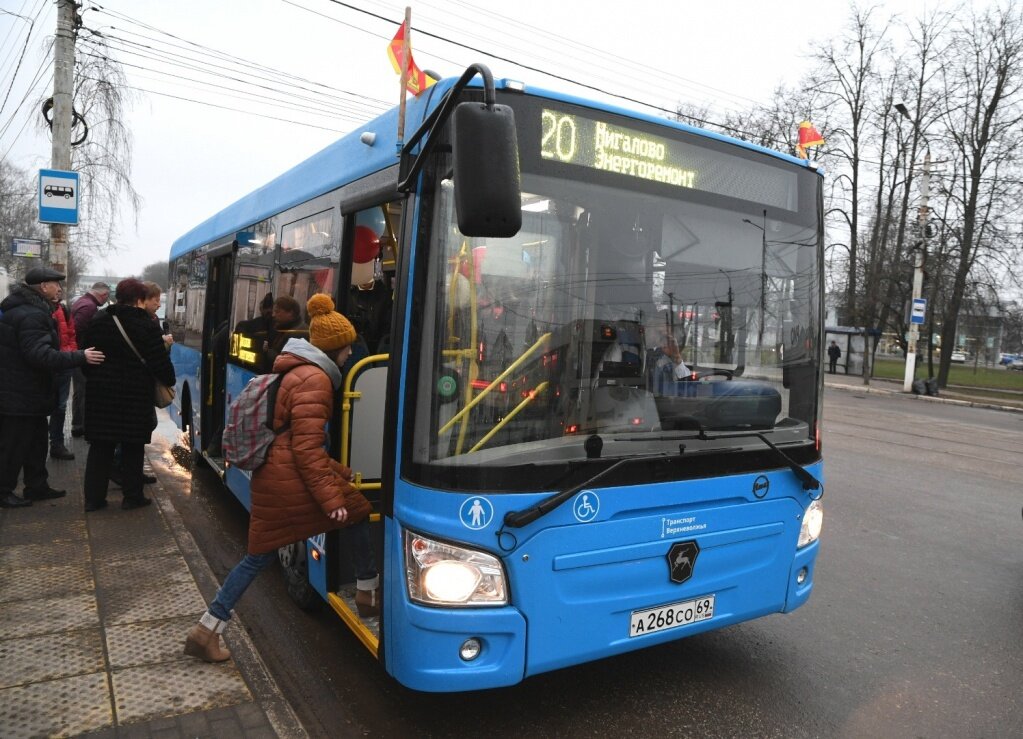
(640, 319)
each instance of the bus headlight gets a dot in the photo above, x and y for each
(813, 520)
(440, 574)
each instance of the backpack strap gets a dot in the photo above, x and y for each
(271, 404)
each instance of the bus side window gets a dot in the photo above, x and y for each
(370, 301)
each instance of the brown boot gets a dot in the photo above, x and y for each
(368, 602)
(203, 640)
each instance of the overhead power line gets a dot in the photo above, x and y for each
(222, 107)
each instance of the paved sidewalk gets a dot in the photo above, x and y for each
(93, 613)
(953, 395)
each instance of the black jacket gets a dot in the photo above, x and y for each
(119, 392)
(29, 354)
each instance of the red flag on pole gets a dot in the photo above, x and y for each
(418, 80)
(808, 136)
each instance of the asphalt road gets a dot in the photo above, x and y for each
(914, 627)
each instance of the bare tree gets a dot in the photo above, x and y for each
(983, 121)
(156, 272)
(18, 213)
(847, 78)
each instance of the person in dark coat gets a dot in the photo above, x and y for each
(119, 397)
(834, 353)
(82, 312)
(287, 324)
(29, 356)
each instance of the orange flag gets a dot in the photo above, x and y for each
(418, 80)
(808, 136)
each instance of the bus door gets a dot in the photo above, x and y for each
(371, 242)
(215, 344)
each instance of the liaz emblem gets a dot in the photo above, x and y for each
(682, 560)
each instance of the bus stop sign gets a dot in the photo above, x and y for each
(58, 197)
(919, 310)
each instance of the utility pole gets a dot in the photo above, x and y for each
(918, 270)
(63, 86)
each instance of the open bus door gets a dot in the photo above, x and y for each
(324, 568)
(216, 338)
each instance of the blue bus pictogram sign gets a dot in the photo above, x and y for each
(919, 310)
(58, 197)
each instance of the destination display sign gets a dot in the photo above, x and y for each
(582, 141)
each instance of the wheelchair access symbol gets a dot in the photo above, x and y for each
(585, 506)
(476, 513)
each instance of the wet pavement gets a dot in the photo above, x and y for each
(93, 613)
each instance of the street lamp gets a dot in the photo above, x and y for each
(918, 259)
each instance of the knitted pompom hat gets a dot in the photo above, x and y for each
(328, 329)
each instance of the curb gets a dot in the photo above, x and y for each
(265, 690)
(869, 389)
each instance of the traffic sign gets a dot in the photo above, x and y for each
(58, 197)
(919, 310)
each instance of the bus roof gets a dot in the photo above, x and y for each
(348, 159)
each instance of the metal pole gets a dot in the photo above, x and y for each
(406, 50)
(918, 271)
(763, 290)
(63, 82)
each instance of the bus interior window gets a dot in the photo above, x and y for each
(370, 291)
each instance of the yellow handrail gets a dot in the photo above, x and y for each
(347, 396)
(483, 393)
(525, 401)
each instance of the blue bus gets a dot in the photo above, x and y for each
(588, 408)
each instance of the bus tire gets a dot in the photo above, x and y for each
(296, 574)
(189, 428)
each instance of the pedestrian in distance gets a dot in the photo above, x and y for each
(62, 379)
(29, 356)
(119, 399)
(82, 312)
(833, 355)
(299, 491)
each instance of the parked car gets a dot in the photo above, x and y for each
(1016, 364)
(957, 357)
(1008, 359)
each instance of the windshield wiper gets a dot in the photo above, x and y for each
(518, 519)
(809, 481)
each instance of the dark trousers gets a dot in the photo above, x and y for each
(834, 364)
(63, 382)
(23, 445)
(78, 400)
(97, 470)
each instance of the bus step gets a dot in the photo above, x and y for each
(366, 629)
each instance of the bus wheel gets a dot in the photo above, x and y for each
(296, 574)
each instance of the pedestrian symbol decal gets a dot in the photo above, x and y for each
(585, 506)
(476, 513)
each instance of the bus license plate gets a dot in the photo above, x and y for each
(671, 616)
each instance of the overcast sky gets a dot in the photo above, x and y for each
(198, 148)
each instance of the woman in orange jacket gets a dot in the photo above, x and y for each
(300, 491)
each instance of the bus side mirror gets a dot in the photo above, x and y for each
(488, 197)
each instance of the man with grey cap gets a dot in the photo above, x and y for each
(29, 355)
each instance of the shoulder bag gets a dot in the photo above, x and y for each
(163, 395)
